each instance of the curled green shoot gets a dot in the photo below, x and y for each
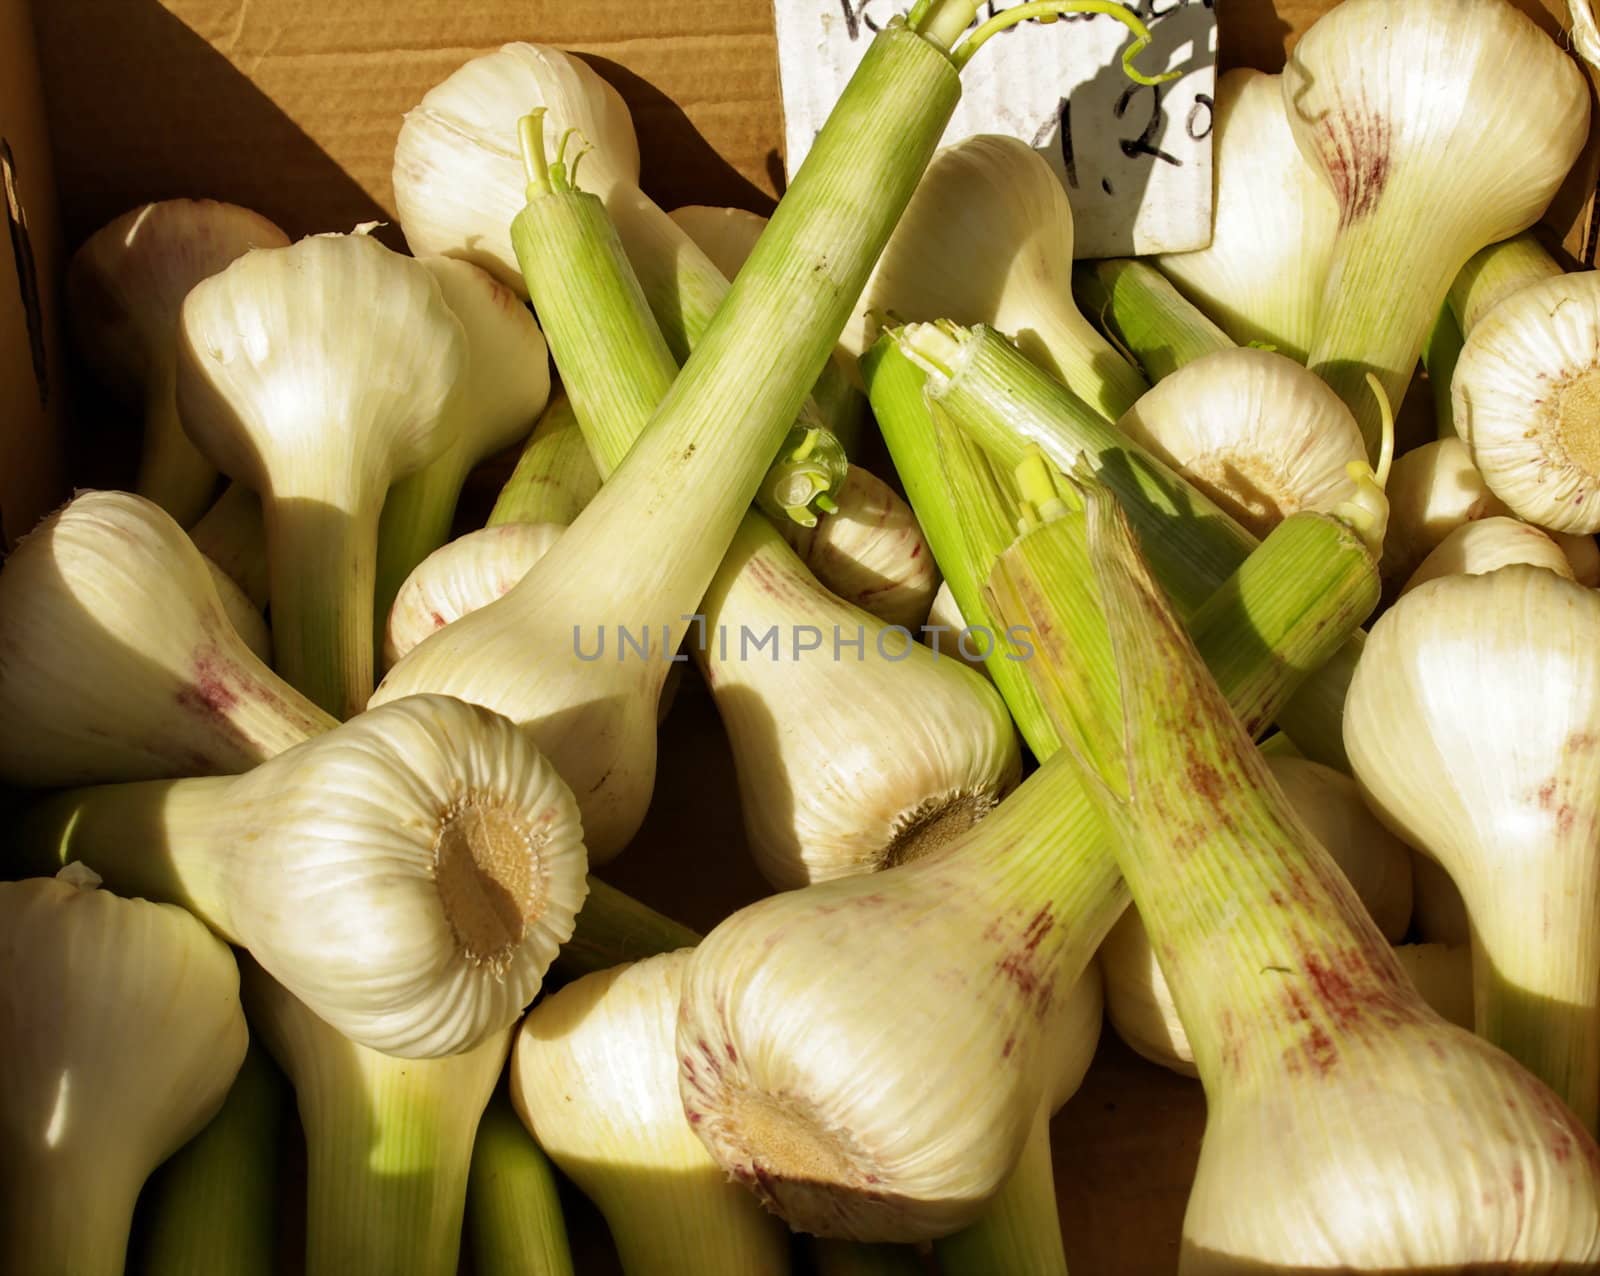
(1049, 11)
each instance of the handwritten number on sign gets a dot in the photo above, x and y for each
(856, 17)
(1198, 125)
(1144, 144)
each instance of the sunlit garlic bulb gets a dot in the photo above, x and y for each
(1487, 545)
(1255, 431)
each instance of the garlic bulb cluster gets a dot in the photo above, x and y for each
(820, 794)
(988, 239)
(123, 1032)
(1470, 726)
(1273, 222)
(594, 1077)
(110, 583)
(409, 875)
(388, 1141)
(318, 374)
(871, 552)
(1255, 432)
(1377, 864)
(125, 287)
(1486, 545)
(1387, 105)
(1526, 401)
(458, 578)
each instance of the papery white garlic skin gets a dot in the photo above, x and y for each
(725, 235)
(828, 794)
(871, 552)
(460, 577)
(987, 238)
(1470, 727)
(441, 828)
(123, 1032)
(125, 287)
(594, 1077)
(1486, 545)
(1273, 223)
(458, 176)
(1253, 430)
(383, 1136)
(110, 585)
(1526, 401)
(1432, 490)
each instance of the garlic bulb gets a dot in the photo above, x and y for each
(460, 577)
(388, 1141)
(1526, 401)
(725, 235)
(505, 387)
(110, 583)
(317, 375)
(1486, 545)
(1470, 726)
(914, 750)
(1432, 490)
(125, 286)
(1442, 973)
(1348, 1127)
(1492, 274)
(870, 552)
(1388, 105)
(1377, 864)
(1254, 431)
(988, 239)
(458, 179)
(123, 1033)
(1272, 223)
(594, 1077)
(409, 875)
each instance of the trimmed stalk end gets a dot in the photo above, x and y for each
(809, 470)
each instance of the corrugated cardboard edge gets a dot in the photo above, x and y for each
(31, 382)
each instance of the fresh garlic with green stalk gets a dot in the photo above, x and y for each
(123, 1032)
(1021, 1229)
(852, 1124)
(1348, 1127)
(1255, 432)
(125, 287)
(870, 551)
(988, 239)
(504, 389)
(1377, 864)
(1273, 223)
(408, 875)
(459, 182)
(866, 785)
(725, 235)
(110, 584)
(1526, 401)
(1486, 545)
(318, 374)
(388, 1140)
(1387, 105)
(1470, 726)
(594, 1078)
(458, 578)
(514, 1223)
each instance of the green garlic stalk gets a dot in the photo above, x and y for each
(555, 476)
(513, 1221)
(1386, 105)
(1146, 316)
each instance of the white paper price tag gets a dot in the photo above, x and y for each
(1136, 160)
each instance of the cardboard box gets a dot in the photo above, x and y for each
(291, 107)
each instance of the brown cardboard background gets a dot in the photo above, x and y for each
(30, 464)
